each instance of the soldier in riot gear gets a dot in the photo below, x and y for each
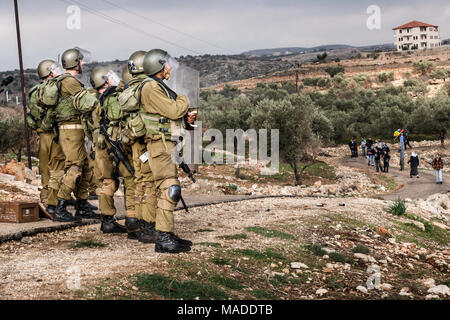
(164, 113)
(51, 157)
(145, 202)
(107, 117)
(77, 175)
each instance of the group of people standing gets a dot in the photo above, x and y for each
(132, 123)
(378, 156)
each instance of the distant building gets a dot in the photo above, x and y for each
(416, 35)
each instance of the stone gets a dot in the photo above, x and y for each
(361, 289)
(405, 292)
(318, 184)
(328, 250)
(298, 265)
(321, 291)
(386, 286)
(441, 289)
(383, 261)
(419, 225)
(431, 296)
(361, 256)
(429, 282)
(382, 232)
(440, 225)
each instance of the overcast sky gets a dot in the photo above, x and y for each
(202, 26)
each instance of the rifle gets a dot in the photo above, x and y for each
(188, 171)
(55, 131)
(116, 149)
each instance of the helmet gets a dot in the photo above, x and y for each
(101, 75)
(126, 75)
(135, 62)
(71, 58)
(154, 61)
(46, 67)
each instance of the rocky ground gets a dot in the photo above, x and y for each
(331, 239)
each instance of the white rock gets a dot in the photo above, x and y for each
(386, 286)
(321, 291)
(328, 250)
(383, 261)
(419, 225)
(431, 296)
(298, 265)
(440, 289)
(429, 282)
(361, 289)
(361, 256)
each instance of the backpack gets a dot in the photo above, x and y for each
(130, 98)
(48, 93)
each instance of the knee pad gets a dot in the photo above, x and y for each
(108, 187)
(174, 192)
(72, 177)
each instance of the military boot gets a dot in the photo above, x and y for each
(110, 225)
(184, 242)
(61, 214)
(83, 210)
(50, 209)
(133, 228)
(166, 242)
(91, 206)
(148, 232)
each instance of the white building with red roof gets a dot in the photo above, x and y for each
(416, 35)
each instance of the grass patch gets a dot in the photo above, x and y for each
(268, 254)
(221, 261)
(87, 244)
(335, 282)
(226, 282)
(174, 289)
(270, 233)
(210, 244)
(389, 183)
(261, 294)
(361, 249)
(234, 236)
(398, 208)
(339, 257)
(316, 249)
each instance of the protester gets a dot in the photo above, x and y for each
(370, 156)
(414, 163)
(442, 137)
(379, 144)
(369, 143)
(363, 147)
(378, 159)
(438, 165)
(353, 148)
(386, 159)
(402, 141)
(407, 140)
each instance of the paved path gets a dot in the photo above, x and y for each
(412, 188)
(16, 231)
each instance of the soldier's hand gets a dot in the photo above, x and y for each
(191, 116)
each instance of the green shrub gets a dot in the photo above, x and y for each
(398, 208)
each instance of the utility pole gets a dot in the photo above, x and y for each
(22, 80)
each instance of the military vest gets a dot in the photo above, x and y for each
(157, 125)
(65, 109)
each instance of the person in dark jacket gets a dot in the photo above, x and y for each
(353, 148)
(370, 156)
(369, 143)
(407, 140)
(386, 159)
(378, 153)
(414, 163)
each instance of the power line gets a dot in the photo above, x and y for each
(124, 24)
(163, 25)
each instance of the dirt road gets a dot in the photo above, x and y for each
(412, 188)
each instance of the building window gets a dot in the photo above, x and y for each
(400, 31)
